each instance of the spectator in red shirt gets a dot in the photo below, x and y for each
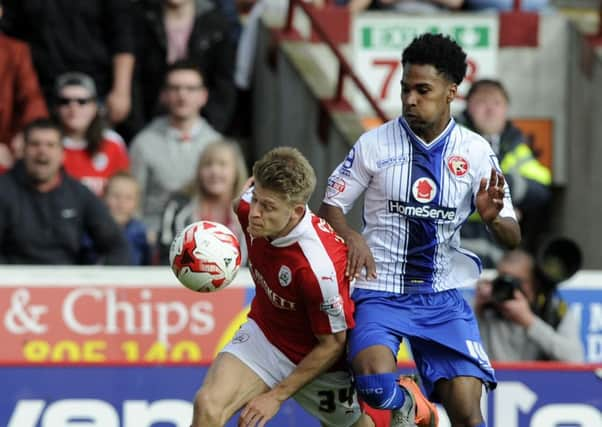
(21, 99)
(93, 153)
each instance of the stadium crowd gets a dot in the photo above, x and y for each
(144, 86)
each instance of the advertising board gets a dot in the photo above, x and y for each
(129, 347)
(161, 396)
(115, 316)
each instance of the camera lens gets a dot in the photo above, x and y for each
(503, 288)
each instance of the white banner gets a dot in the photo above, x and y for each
(380, 38)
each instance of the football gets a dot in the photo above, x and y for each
(205, 256)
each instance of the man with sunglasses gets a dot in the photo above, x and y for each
(519, 321)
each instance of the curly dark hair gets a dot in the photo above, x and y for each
(439, 51)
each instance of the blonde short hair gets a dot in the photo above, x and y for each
(286, 171)
(122, 175)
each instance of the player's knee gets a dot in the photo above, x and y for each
(380, 390)
(208, 409)
(467, 421)
(466, 418)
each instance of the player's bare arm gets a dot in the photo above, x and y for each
(359, 254)
(263, 407)
(490, 201)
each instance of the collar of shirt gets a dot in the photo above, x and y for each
(178, 135)
(422, 142)
(296, 233)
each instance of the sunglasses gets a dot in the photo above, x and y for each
(79, 101)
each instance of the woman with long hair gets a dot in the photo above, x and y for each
(93, 153)
(221, 174)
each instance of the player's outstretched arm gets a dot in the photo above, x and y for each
(490, 201)
(263, 407)
(359, 254)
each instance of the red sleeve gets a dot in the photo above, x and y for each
(28, 94)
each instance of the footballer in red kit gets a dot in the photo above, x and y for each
(301, 287)
(293, 343)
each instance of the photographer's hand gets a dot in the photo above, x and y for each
(517, 310)
(482, 296)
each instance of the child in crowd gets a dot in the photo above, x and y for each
(221, 173)
(122, 197)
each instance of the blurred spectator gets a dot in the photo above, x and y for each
(245, 53)
(519, 320)
(194, 30)
(91, 36)
(230, 9)
(221, 173)
(405, 6)
(530, 5)
(487, 114)
(164, 154)
(45, 214)
(20, 98)
(93, 153)
(123, 197)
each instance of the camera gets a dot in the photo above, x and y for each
(555, 261)
(503, 287)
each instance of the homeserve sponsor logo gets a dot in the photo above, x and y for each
(421, 211)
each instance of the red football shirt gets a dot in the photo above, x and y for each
(300, 283)
(95, 171)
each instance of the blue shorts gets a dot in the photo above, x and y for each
(440, 327)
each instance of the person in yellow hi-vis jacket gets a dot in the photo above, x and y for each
(487, 114)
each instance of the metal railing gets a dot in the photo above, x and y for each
(345, 69)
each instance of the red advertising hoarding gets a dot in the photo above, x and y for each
(90, 322)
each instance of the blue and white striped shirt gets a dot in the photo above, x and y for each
(417, 196)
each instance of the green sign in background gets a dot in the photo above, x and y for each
(397, 37)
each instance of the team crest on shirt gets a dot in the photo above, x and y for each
(457, 165)
(285, 276)
(424, 190)
(100, 161)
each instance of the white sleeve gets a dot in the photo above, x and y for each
(485, 172)
(350, 178)
(247, 196)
